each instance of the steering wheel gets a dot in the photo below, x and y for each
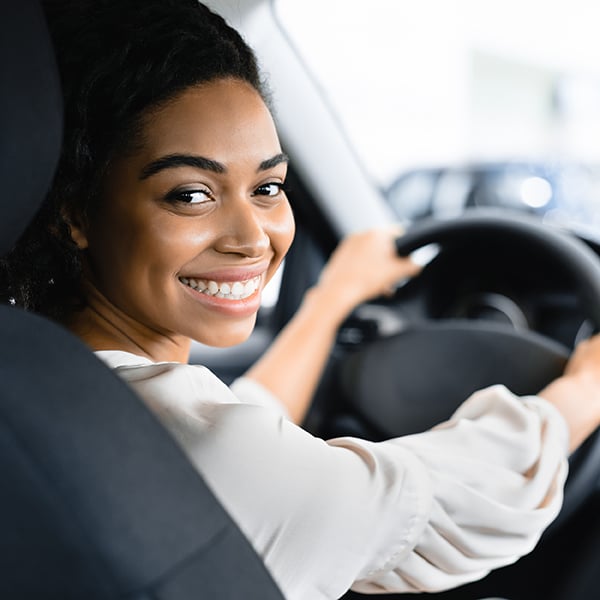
(414, 379)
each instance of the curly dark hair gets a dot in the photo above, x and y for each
(118, 59)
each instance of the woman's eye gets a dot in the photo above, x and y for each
(272, 188)
(198, 196)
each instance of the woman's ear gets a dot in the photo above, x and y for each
(76, 227)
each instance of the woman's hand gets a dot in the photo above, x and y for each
(577, 393)
(363, 266)
(585, 362)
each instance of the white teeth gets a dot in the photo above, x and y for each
(235, 290)
(250, 287)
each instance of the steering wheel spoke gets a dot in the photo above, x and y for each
(413, 380)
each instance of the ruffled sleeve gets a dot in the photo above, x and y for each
(497, 470)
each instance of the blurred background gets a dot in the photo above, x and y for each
(453, 105)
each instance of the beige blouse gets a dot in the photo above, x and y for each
(423, 512)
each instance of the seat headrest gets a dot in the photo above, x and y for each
(30, 116)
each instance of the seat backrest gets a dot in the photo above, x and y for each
(96, 499)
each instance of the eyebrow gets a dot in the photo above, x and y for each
(273, 162)
(173, 161)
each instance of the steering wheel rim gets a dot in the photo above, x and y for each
(574, 255)
(360, 369)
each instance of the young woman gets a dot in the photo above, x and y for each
(166, 219)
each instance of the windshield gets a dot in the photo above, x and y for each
(463, 104)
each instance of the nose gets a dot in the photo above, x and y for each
(243, 229)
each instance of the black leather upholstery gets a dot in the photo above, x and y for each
(30, 116)
(96, 499)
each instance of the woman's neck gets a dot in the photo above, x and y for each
(103, 329)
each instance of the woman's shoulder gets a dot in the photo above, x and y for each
(120, 358)
(167, 382)
(185, 385)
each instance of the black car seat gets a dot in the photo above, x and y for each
(96, 500)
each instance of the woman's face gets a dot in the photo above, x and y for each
(194, 223)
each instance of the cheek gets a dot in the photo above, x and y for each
(281, 232)
(281, 229)
(142, 247)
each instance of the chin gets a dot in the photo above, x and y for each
(226, 337)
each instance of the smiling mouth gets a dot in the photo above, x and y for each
(230, 290)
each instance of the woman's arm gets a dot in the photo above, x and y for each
(364, 266)
(576, 394)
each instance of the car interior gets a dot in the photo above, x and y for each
(97, 498)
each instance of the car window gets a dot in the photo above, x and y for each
(468, 103)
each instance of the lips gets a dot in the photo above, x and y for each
(228, 290)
